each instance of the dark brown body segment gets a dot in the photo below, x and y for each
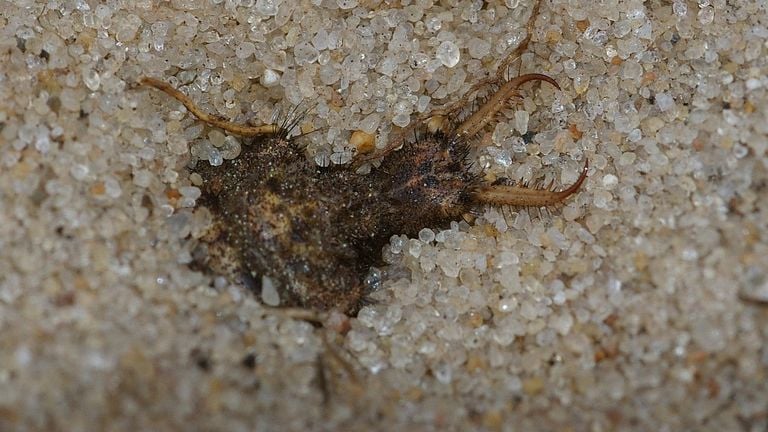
(315, 232)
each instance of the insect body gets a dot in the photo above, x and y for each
(311, 234)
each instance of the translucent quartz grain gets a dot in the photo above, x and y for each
(269, 293)
(142, 178)
(305, 53)
(610, 181)
(245, 49)
(478, 48)
(267, 7)
(346, 4)
(448, 54)
(91, 79)
(521, 121)
(426, 235)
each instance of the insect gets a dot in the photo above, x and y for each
(309, 235)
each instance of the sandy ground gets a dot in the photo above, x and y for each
(639, 305)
